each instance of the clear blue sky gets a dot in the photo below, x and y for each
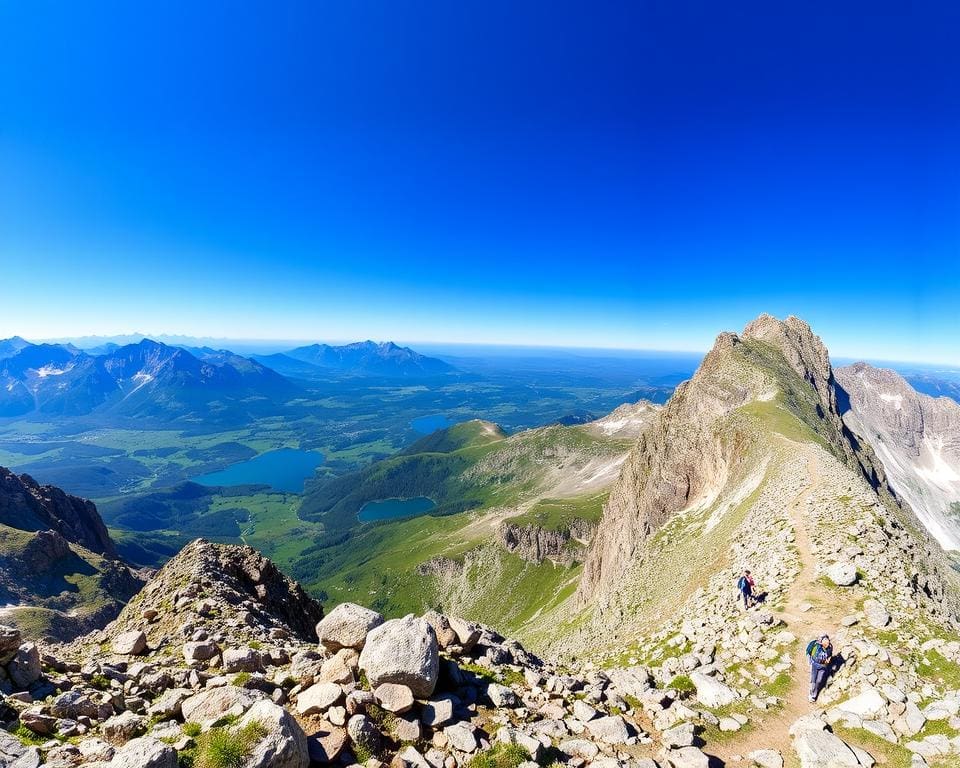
(631, 174)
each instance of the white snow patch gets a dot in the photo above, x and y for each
(51, 370)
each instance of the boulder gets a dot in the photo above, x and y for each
(501, 695)
(283, 745)
(168, 703)
(869, 703)
(145, 752)
(337, 668)
(10, 640)
(243, 659)
(583, 711)
(710, 691)
(683, 735)
(468, 633)
(579, 748)
(119, 729)
(363, 732)
(877, 616)
(766, 758)
(843, 574)
(461, 736)
(508, 735)
(394, 697)
(39, 722)
(200, 650)
(326, 743)
(318, 698)
(438, 711)
(79, 703)
(402, 651)
(14, 754)
(347, 626)
(129, 643)
(687, 757)
(212, 704)
(822, 749)
(24, 669)
(610, 730)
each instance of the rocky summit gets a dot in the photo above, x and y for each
(654, 660)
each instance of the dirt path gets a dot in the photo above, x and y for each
(771, 730)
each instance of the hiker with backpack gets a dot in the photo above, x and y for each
(820, 655)
(745, 585)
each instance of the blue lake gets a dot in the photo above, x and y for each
(389, 509)
(427, 424)
(284, 470)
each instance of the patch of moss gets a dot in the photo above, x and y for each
(27, 736)
(192, 729)
(241, 679)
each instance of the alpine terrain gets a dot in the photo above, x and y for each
(642, 656)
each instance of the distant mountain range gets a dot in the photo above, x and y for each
(149, 378)
(364, 358)
(143, 379)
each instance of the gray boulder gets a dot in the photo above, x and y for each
(842, 574)
(121, 728)
(241, 659)
(211, 704)
(145, 752)
(129, 643)
(10, 639)
(13, 754)
(24, 669)
(283, 745)
(710, 691)
(394, 697)
(347, 626)
(318, 698)
(402, 651)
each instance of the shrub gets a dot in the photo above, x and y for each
(501, 756)
(192, 729)
(682, 684)
(227, 748)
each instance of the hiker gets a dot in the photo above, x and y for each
(820, 654)
(745, 585)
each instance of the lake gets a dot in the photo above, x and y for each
(389, 509)
(284, 470)
(428, 424)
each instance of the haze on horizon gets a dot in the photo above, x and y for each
(564, 174)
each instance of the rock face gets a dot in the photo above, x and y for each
(248, 591)
(27, 505)
(535, 544)
(46, 536)
(917, 439)
(402, 651)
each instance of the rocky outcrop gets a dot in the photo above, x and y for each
(58, 566)
(696, 445)
(535, 544)
(27, 505)
(243, 589)
(917, 439)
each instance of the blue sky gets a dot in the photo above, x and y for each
(636, 175)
